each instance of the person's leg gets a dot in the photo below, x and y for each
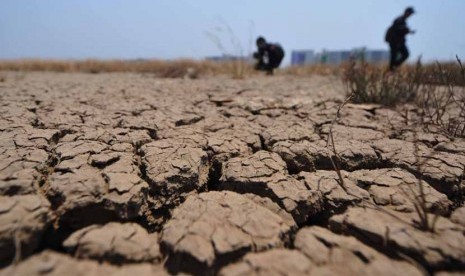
(275, 61)
(394, 54)
(404, 54)
(269, 68)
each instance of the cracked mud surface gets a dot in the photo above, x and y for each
(119, 174)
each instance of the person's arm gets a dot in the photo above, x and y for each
(261, 52)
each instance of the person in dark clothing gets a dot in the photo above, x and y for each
(395, 36)
(268, 56)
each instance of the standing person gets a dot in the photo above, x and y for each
(269, 56)
(395, 36)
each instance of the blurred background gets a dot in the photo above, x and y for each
(167, 29)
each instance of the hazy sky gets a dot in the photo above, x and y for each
(177, 28)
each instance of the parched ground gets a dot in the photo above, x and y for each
(126, 174)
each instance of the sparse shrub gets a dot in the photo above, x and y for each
(439, 96)
(442, 106)
(372, 84)
(438, 90)
(434, 74)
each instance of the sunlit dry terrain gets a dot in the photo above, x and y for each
(129, 174)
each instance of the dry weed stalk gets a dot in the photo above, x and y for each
(417, 198)
(419, 201)
(331, 147)
(17, 243)
(238, 67)
(416, 192)
(334, 157)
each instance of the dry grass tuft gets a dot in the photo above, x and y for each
(314, 69)
(162, 69)
(443, 106)
(184, 68)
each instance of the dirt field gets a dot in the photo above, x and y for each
(126, 174)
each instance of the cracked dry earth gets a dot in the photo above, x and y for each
(126, 174)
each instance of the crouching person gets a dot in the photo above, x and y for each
(268, 56)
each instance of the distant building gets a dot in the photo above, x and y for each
(377, 56)
(333, 57)
(304, 57)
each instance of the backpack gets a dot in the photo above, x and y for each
(389, 37)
